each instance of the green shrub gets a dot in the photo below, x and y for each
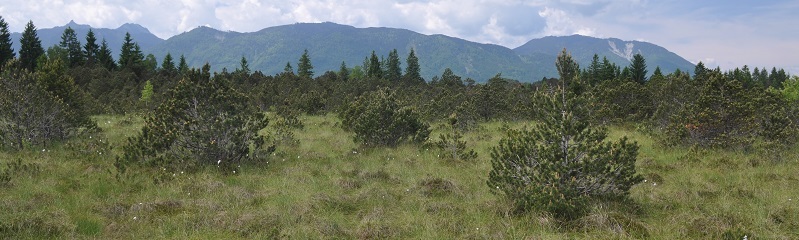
(563, 163)
(377, 120)
(40, 108)
(204, 121)
(452, 145)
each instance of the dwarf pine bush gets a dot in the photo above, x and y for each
(204, 121)
(452, 145)
(377, 120)
(40, 108)
(563, 162)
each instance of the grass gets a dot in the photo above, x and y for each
(328, 187)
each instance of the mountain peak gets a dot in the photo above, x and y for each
(133, 27)
(73, 25)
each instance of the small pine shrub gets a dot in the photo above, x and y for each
(563, 163)
(452, 145)
(203, 122)
(377, 120)
(17, 169)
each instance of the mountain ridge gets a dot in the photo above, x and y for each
(329, 44)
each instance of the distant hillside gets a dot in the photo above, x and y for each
(114, 37)
(618, 51)
(329, 44)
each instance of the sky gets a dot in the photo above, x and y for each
(724, 33)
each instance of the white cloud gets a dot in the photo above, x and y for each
(559, 23)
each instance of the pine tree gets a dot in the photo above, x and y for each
(69, 41)
(343, 72)
(91, 49)
(104, 57)
(452, 145)
(168, 65)
(374, 70)
(6, 49)
(304, 66)
(638, 69)
(30, 47)
(288, 69)
(563, 162)
(393, 70)
(413, 71)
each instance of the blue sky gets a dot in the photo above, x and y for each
(725, 33)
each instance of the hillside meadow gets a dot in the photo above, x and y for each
(320, 184)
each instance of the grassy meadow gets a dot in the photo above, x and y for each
(325, 186)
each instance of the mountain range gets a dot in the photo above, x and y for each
(328, 44)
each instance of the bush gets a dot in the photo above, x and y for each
(203, 122)
(378, 120)
(37, 109)
(563, 163)
(452, 145)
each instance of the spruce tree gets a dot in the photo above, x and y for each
(563, 162)
(374, 70)
(69, 42)
(638, 69)
(30, 47)
(304, 66)
(6, 49)
(91, 49)
(288, 69)
(168, 65)
(343, 72)
(607, 70)
(183, 67)
(594, 71)
(244, 67)
(393, 70)
(130, 55)
(413, 71)
(104, 57)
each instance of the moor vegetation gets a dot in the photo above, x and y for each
(92, 147)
